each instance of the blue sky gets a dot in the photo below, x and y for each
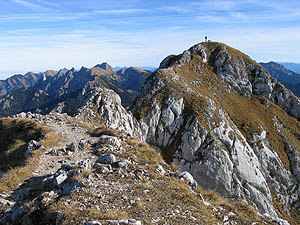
(37, 35)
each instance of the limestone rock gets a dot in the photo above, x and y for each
(60, 178)
(161, 170)
(107, 159)
(31, 146)
(121, 221)
(68, 188)
(189, 178)
(109, 107)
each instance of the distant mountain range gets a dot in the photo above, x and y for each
(150, 68)
(289, 78)
(59, 91)
(291, 66)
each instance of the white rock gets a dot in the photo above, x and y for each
(60, 179)
(160, 170)
(188, 177)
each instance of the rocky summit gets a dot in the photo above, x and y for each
(211, 138)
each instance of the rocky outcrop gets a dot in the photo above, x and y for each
(182, 111)
(107, 104)
(113, 180)
(219, 158)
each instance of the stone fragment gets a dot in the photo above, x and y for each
(72, 147)
(189, 178)
(161, 170)
(68, 188)
(103, 170)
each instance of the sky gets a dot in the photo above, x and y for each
(37, 35)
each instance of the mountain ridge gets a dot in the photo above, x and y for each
(215, 114)
(289, 78)
(62, 88)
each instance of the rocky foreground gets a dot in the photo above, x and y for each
(104, 177)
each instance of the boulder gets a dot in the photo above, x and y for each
(121, 164)
(106, 159)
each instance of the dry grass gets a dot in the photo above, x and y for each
(15, 134)
(103, 130)
(141, 152)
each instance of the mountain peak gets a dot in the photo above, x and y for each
(105, 66)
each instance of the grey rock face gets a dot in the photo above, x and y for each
(108, 106)
(218, 158)
(250, 78)
(246, 78)
(216, 154)
(277, 176)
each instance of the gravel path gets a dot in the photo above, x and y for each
(71, 132)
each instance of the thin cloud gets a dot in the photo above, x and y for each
(40, 17)
(293, 16)
(28, 4)
(47, 3)
(176, 9)
(120, 11)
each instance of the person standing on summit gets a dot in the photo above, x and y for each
(205, 38)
